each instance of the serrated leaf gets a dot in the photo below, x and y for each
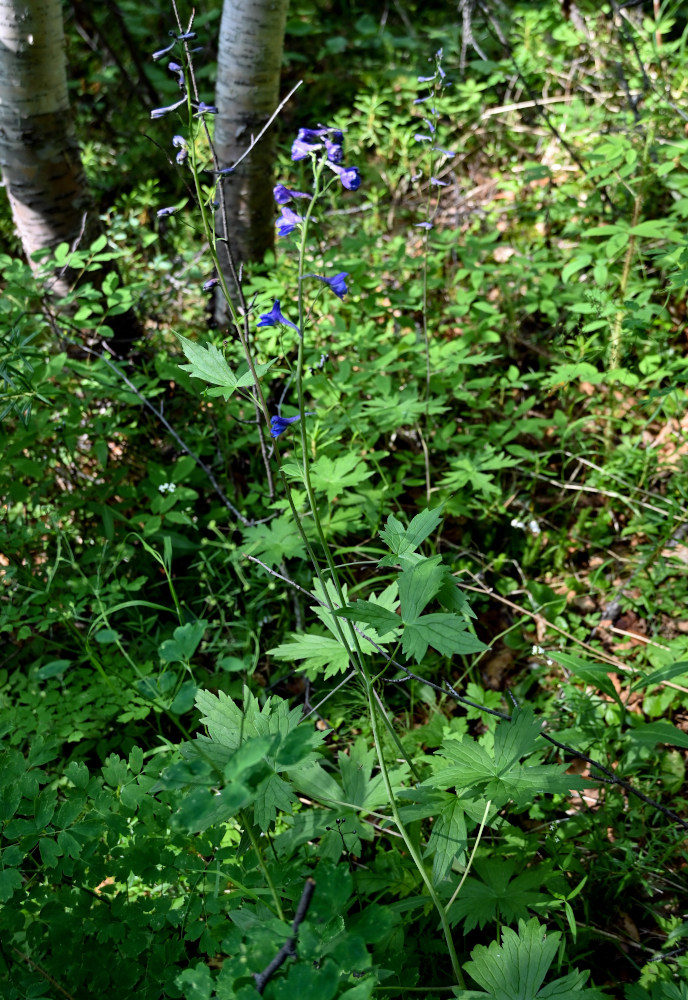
(334, 476)
(208, 363)
(379, 618)
(497, 894)
(316, 652)
(418, 586)
(448, 839)
(444, 632)
(403, 540)
(516, 969)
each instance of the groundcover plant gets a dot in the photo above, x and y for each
(345, 644)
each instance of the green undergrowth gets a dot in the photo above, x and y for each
(191, 727)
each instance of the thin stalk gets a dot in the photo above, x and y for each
(263, 867)
(410, 846)
(470, 860)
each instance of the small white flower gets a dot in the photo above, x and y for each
(537, 651)
(534, 527)
(167, 487)
(515, 523)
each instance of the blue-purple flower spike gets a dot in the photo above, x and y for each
(274, 317)
(287, 221)
(278, 425)
(337, 283)
(284, 194)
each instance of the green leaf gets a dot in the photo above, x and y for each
(444, 632)
(316, 652)
(574, 266)
(334, 476)
(403, 540)
(651, 733)
(305, 980)
(208, 364)
(651, 228)
(594, 674)
(184, 642)
(10, 879)
(516, 969)
(665, 673)
(497, 895)
(196, 983)
(448, 839)
(379, 618)
(275, 541)
(418, 586)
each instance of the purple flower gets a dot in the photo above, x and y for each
(424, 225)
(163, 52)
(205, 109)
(337, 283)
(210, 283)
(162, 213)
(287, 221)
(349, 176)
(159, 112)
(275, 317)
(278, 425)
(439, 183)
(311, 134)
(335, 153)
(419, 137)
(187, 36)
(284, 194)
(300, 149)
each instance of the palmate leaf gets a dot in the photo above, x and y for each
(208, 364)
(497, 894)
(516, 969)
(496, 773)
(445, 633)
(334, 476)
(316, 652)
(403, 541)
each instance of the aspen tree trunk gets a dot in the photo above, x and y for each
(40, 159)
(247, 93)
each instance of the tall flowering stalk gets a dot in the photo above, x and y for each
(436, 156)
(323, 147)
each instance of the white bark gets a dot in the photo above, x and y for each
(39, 156)
(247, 93)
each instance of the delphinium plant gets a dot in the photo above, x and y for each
(422, 608)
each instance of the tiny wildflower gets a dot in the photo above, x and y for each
(284, 194)
(162, 213)
(274, 317)
(210, 283)
(419, 137)
(439, 183)
(300, 149)
(205, 109)
(163, 52)
(335, 153)
(278, 425)
(349, 176)
(337, 283)
(159, 112)
(423, 225)
(287, 221)
(166, 488)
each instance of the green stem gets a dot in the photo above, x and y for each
(417, 860)
(245, 822)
